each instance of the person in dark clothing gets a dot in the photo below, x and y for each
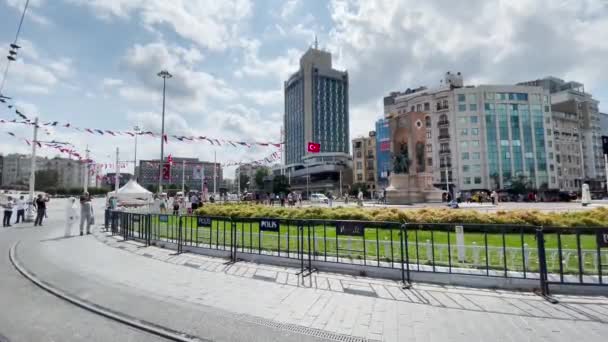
(41, 209)
(8, 212)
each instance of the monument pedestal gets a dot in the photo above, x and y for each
(409, 189)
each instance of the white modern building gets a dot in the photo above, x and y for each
(70, 173)
(483, 137)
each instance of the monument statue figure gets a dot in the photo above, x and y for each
(401, 161)
(420, 156)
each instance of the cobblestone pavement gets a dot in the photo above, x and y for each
(351, 306)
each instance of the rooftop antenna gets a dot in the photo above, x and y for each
(316, 43)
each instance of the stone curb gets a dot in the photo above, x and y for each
(148, 327)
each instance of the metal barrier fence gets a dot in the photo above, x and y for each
(550, 255)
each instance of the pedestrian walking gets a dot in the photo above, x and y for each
(8, 212)
(360, 198)
(494, 197)
(40, 209)
(87, 216)
(71, 215)
(330, 199)
(20, 206)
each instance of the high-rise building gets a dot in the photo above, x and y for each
(383, 153)
(364, 161)
(570, 101)
(483, 137)
(316, 110)
(316, 107)
(192, 171)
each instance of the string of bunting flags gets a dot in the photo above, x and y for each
(113, 133)
(59, 147)
(268, 160)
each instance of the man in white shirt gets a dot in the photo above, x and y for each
(8, 212)
(20, 210)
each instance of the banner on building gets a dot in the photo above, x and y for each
(197, 172)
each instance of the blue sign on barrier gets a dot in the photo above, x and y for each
(602, 238)
(350, 228)
(136, 218)
(269, 225)
(203, 221)
(163, 218)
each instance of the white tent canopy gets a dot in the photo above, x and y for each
(132, 194)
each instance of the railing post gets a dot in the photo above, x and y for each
(542, 265)
(148, 229)
(405, 273)
(179, 234)
(233, 240)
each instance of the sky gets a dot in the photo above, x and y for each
(93, 63)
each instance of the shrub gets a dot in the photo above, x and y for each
(594, 218)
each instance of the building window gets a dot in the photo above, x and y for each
(476, 168)
(464, 132)
(359, 165)
(464, 144)
(359, 177)
(477, 180)
(358, 154)
(465, 156)
(462, 98)
(427, 106)
(462, 120)
(474, 131)
(473, 107)
(474, 119)
(412, 109)
(428, 134)
(429, 161)
(427, 121)
(429, 148)
(475, 155)
(462, 107)
(475, 143)
(489, 96)
(467, 180)
(548, 131)
(465, 168)
(419, 107)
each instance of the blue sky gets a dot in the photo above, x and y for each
(94, 63)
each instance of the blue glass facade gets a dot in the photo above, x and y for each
(294, 121)
(330, 113)
(383, 153)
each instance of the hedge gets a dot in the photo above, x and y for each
(586, 218)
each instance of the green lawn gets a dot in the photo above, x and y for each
(383, 245)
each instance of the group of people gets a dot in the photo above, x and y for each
(179, 204)
(20, 206)
(84, 210)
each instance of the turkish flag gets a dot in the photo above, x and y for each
(166, 171)
(314, 147)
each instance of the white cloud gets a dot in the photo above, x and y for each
(111, 82)
(289, 8)
(265, 98)
(32, 12)
(189, 89)
(395, 44)
(211, 24)
(278, 68)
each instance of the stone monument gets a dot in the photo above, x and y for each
(410, 180)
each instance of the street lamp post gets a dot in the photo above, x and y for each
(136, 129)
(164, 74)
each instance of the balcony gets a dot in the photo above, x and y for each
(443, 123)
(445, 151)
(444, 136)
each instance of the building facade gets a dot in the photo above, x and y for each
(191, 171)
(384, 163)
(570, 99)
(316, 107)
(248, 170)
(316, 110)
(364, 161)
(70, 173)
(566, 131)
(483, 137)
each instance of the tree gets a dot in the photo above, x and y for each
(46, 179)
(280, 184)
(520, 185)
(244, 180)
(259, 177)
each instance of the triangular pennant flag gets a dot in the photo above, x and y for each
(99, 131)
(67, 125)
(166, 140)
(11, 133)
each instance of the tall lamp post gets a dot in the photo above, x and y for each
(165, 75)
(137, 130)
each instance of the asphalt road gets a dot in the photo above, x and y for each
(28, 313)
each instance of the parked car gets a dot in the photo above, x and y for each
(318, 198)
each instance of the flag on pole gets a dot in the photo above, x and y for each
(314, 147)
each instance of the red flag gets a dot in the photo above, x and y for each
(314, 147)
(170, 160)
